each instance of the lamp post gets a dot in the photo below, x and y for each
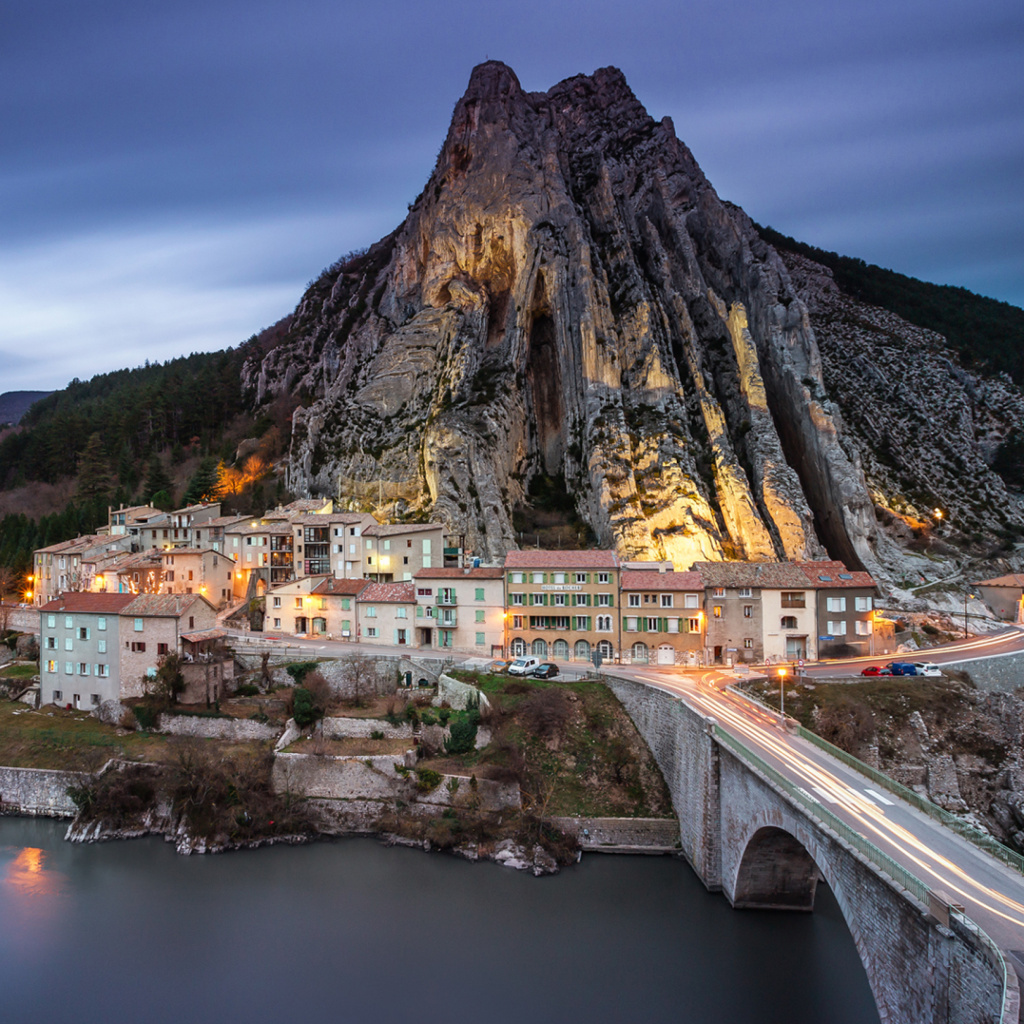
(782, 693)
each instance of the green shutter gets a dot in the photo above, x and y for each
(611, 600)
(479, 593)
(545, 599)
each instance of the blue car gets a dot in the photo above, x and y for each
(903, 668)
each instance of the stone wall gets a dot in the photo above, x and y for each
(38, 791)
(1003, 673)
(386, 668)
(236, 729)
(363, 728)
(625, 835)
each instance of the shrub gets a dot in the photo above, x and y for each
(443, 715)
(247, 690)
(298, 669)
(146, 715)
(304, 710)
(462, 736)
(427, 779)
(376, 735)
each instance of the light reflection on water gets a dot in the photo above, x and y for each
(28, 874)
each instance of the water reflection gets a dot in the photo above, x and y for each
(30, 895)
(28, 874)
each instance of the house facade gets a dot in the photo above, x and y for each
(397, 552)
(461, 610)
(71, 565)
(1005, 596)
(387, 614)
(562, 604)
(197, 571)
(662, 617)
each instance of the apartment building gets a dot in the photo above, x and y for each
(330, 543)
(399, 551)
(197, 571)
(185, 521)
(71, 565)
(562, 604)
(461, 610)
(387, 614)
(847, 625)
(662, 616)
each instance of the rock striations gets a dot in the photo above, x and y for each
(569, 297)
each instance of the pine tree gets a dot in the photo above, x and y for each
(203, 485)
(93, 475)
(156, 479)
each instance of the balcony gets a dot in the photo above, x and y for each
(446, 618)
(446, 599)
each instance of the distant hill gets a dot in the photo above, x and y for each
(14, 404)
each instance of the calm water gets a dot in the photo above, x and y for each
(351, 931)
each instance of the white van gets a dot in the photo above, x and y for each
(523, 666)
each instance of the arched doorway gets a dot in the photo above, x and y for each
(639, 652)
(581, 652)
(540, 648)
(560, 649)
(517, 647)
(606, 650)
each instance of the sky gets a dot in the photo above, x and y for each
(172, 176)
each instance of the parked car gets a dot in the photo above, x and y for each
(874, 670)
(926, 668)
(545, 671)
(903, 668)
(523, 666)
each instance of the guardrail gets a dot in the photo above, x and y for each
(882, 861)
(964, 829)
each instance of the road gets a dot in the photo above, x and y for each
(991, 893)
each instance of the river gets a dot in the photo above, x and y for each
(352, 931)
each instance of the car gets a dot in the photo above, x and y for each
(903, 668)
(545, 671)
(874, 670)
(496, 666)
(926, 668)
(523, 666)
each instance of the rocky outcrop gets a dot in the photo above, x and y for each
(569, 298)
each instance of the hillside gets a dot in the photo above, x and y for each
(14, 404)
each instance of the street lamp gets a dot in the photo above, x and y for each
(782, 692)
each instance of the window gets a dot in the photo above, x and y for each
(604, 600)
(83, 632)
(634, 600)
(401, 613)
(862, 604)
(717, 612)
(69, 644)
(101, 646)
(94, 699)
(517, 622)
(748, 611)
(480, 615)
(277, 623)
(673, 625)
(103, 671)
(666, 600)
(653, 626)
(581, 577)
(69, 668)
(691, 601)
(862, 627)
(516, 577)
(479, 593)
(558, 577)
(51, 666)
(631, 624)
(191, 622)
(581, 623)
(101, 623)
(138, 647)
(161, 648)
(425, 592)
(83, 668)
(748, 643)
(793, 599)
(558, 600)
(536, 599)
(57, 696)
(371, 612)
(835, 604)
(718, 592)
(745, 592)
(788, 622)
(138, 625)
(69, 622)
(536, 577)
(604, 577)
(372, 631)
(51, 621)
(298, 602)
(346, 604)
(480, 640)
(837, 628)
(580, 600)
(604, 623)
(51, 643)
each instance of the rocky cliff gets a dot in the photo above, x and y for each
(569, 297)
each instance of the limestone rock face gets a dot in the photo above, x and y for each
(569, 296)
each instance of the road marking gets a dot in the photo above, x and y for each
(878, 796)
(813, 800)
(825, 794)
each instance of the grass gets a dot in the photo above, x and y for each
(19, 672)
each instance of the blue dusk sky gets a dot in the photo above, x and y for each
(173, 174)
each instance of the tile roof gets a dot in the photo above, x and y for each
(391, 529)
(332, 585)
(535, 559)
(199, 635)
(483, 572)
(1014, 579)
(826, 575)
(651, 579)
(163, 605)
(97, 604)
(388, 593)
(324, 518)
(764, 575)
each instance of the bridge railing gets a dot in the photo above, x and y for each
(962, 828)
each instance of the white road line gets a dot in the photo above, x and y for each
(825, 794)
(878, 796)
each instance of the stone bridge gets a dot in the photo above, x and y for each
(748, 837)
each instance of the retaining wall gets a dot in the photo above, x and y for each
(39, 792)
(237, 729)
(363, 728)
(1002, 673)
(625, 834)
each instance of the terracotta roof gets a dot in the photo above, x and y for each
(483, 572)
(388, 593)
(83, 543)
(649, 579)
(535, 559)
(204, 634)
(196, 551)
(332, 585)
(303, 505)
(323, 518)
(163, 605)
(223, 521)
(832, 574)
(97, 604)
(391, 529)
(763, 575)
(1014, 579)
(196, 508)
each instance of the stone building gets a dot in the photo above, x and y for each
(662, 616)
(197, 571)
(387, 614)
(461, 610)
(562, 604)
